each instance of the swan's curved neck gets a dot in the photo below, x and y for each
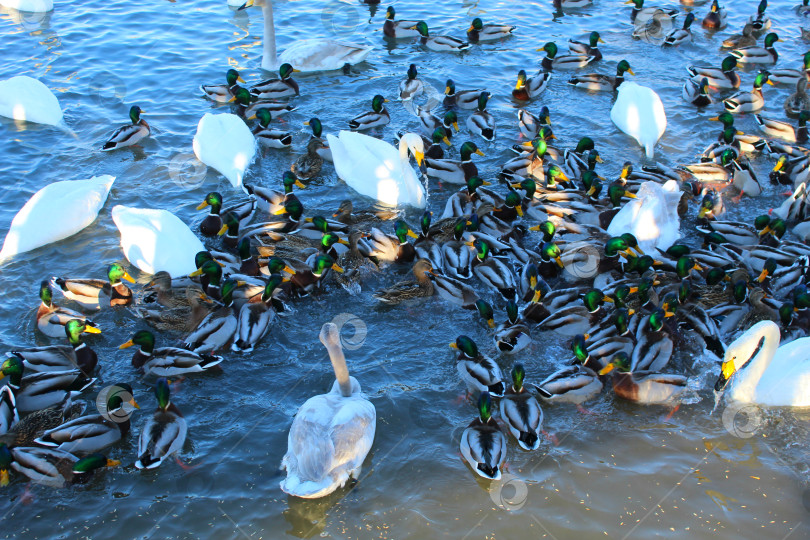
(269, 58)
(748, 379)
(340, 368)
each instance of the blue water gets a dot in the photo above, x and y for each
(623, 471)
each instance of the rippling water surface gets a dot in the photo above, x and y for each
(621, 471)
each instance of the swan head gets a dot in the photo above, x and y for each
(252, 3)
(415, 146)
(744, 349)
(330, 335)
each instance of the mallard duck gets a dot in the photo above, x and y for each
(697, 94)
(439, 43)
(9, 416)
(356, 265)
(411, 86)
(217, 329)
(254, 319)
(284, 86)
(789, 171)
(602, 83)
(77, 355)
(331, 434)
(40, 390)
(591, 48)
(512, 336)
(716, 18)
(50, 467)
(183, 318)
(481, 122)
(654, 346)
(640, 15)
(463, 99)
(317, 133)
(87, 292)
(270, 137)
(478, 31)
(479, 372)
(680, 35)
(798, 101)
(521, 412)
(530, 125)
(378, 116)
(792, 76)
(434, 144)
(223, 93)
(269, 200)
(758, 55)
(572, 384)
(251, 108)
(748, 101)
(643, 386)
(570, 4)
(395, 248)
(346, 214)
(24, 431)
(744, 178)
(741, 41)
(409, 289)
(305, 281)
(210, 272)
(784, 130)
(722, 78)
(529, 88)
(483, 444)
(760, 22)
(456, 253)
(212, 223)
(398, 29)
(309, 165)
(455, 172)
(492, 271)
(129, 134)
(568, 61)
(164, 433)
(51, 319)
(93, 433)
(166, 361)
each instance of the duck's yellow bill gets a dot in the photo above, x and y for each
(337, 268)
(113, 463)
(195, 273)
(607, 369)
(479, 152)
(126, 345)
(222, 230)
(134, 403)
(3, 477)
(127, 277)
(202, 205)
(92, 330)
(300, 184)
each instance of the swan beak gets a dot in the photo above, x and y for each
(420, 157)
(490, 323)
(519, 211)
(729, 368)
(92, 330)
(195, 273)
(223, 230)
(412, 234)
(246, 5)
(630, 71)
(479, 152)
(127, 277)
(252, 117)
(607, 369)
(446, 141)
(202, 205)
(126, 345)
(337, 268)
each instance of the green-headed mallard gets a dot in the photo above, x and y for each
(129, 134)
(792, 76)
(478, 31)
(715, 19)
(492, 271)
(317, 133)
(164, 433)
(272, 201)
(49, 466)
(254, 319)
(697, 94)
(378, 116)
(568, 61)
(166, 361)
(398, 29)
(723, 78)
(453, 171)
(682, 35)
(479, 372)
(481, 122)
(483, 444)
(758, 55)
(223, 93)
(640, 15)
(267, 136)
(309, 165)
(396, 248)
(602, 83)
(40, 390)
(284, 86)
(212, 223)
(512, 335)
(530, 125)
(643, 387)
(530, 87)
(463, 99)
(590, 49)
(748, 101)
(217, 329)
(409, 289)
(760, 22)
(305, 281)
(439, 43)
(521, 411)
(411, 86)
(77, 355)
(87, 292)
(51, 319)
(94, 432)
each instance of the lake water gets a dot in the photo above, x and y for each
(622, 471)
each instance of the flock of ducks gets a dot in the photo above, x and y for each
(558, 248)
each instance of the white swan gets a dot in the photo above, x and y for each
(376, 169)
(638, 112)
(652, 217)
(155, 240)
(28, 5)
(225, 142)
(757, 370)
(28, 99)
(331, 433)
(305, 54)
(58, 210)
